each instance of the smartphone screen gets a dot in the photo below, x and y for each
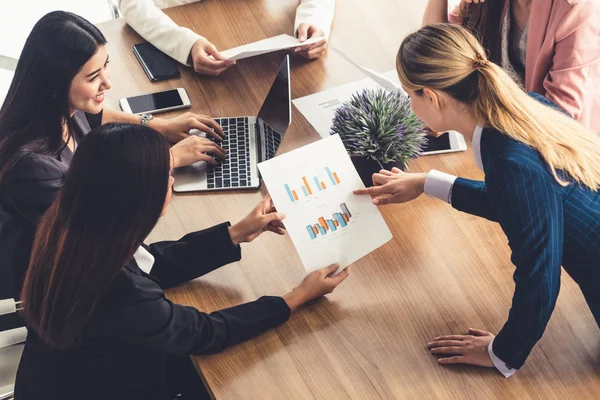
(437, 143)
(159, 66)
(154, 101)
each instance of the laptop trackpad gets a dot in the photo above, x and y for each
(195, 168)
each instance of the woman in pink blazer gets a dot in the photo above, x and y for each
(551, 46)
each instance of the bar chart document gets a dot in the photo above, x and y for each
(328, 224)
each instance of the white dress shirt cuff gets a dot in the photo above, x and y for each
(499, 364)
(439, 184)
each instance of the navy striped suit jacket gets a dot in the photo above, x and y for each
(547, 226)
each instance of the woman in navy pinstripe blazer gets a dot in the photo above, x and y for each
(542, 176)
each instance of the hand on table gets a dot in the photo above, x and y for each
(177, 128)
(316, 284)
(201, 61)
(264, 217)
(463, 349)
(311, 51)
(195, 148)
(394, 186)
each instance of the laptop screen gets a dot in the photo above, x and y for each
(276, 111)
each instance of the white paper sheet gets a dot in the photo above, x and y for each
(387, 80)
(276, 43)
(328, 224)
(319, 108)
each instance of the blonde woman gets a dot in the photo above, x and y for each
(542, 175)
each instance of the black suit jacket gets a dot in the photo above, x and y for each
(134, 327)
(28, 187)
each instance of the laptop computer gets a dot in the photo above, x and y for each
(248, 141)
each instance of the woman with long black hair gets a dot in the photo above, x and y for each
(55, 98)
(99, 324)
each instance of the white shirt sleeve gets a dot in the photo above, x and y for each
(499, 364)
(144, 259)
(315, 12)
(156, 27)
(439, 184)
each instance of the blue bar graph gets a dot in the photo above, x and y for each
(338, 221)
(289, 192)
(318, 184)
(338, 217)
(304, 190)
(330, 175)
(331, 225)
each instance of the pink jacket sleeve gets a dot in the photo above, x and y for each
(576, 56)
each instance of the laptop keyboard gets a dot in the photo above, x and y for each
(234, 171)
(272, 139)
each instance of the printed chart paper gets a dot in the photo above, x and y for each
(328, 224)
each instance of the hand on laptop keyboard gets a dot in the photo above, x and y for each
(195, 148)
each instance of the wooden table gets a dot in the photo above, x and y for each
(444, 271)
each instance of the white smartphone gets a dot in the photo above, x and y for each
(449, 142)
(153, 103)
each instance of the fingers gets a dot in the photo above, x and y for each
(275, 229)
(453, 360)
(201, 69)
(444, 343)
(448, 350)
(312, 52)
(382, 200)
(208, 125)
(478, 332)
(303, 32)
(373, 191)
(397, 170)
(451, 337)
(339, 278)
(330, 269)
(272, 217)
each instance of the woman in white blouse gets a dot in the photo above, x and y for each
(313, 19)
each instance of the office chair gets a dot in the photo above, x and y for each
(11, 347)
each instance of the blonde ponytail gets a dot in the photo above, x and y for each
(448, 58)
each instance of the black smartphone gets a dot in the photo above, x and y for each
(156, 64)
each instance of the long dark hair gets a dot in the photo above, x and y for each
(36, 106)
(484, 21)
(112, 197)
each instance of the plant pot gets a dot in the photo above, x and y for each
(366, 167)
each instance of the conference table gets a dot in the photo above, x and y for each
(443, 272)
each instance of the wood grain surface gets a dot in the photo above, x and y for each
(443, 272)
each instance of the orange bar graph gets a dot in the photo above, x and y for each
(336, 178)
(315, 230)
(306, 185)
(336, 223)
(295, 195)
(345, 217)
(323, 185)
(323, 224)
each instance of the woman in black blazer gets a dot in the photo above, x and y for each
(55, 98)
(99, 324)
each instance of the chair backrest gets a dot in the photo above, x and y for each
(11, 348)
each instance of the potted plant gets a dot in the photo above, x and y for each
(379, 131)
